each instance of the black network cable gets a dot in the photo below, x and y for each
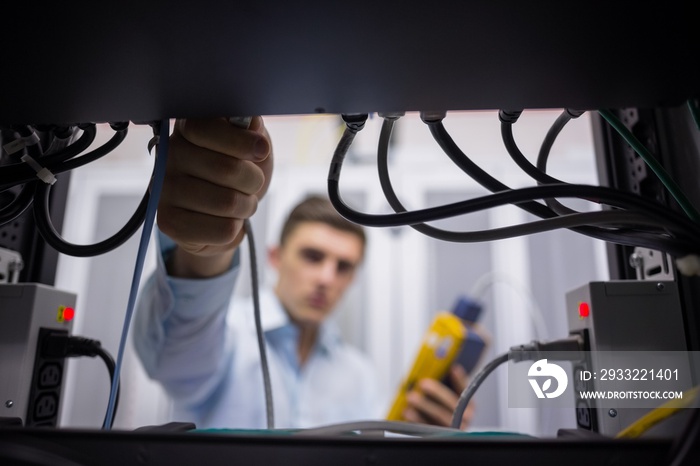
(42, 218)
(604, 195)
(579, 219)
(42, 214)
(678, 245)
(21, 178)
(120, 132)
(462, 161)
(60, 345)
(562, 120)
(20, 202)
(62, 160)
(547, 143)
(19, 172)
(65, 159)
(508, 118)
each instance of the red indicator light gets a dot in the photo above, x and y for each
(68, 314)
(583, 310)
(65, 314)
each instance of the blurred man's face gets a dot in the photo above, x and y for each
(315, 266)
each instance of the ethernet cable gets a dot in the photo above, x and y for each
(161, 133)
(37, 193)
(19, 175)
(64, 159)
(570, 349)
(681, 245)
(586, 218)
(269, 410)
(634, 238)
(474, 384)
(42, 215)
(244, 122)
(547, 143)
(537, 173)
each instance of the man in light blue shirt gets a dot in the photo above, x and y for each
(203, 349)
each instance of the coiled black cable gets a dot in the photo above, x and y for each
(600, 194)
(42, 214)
(577, 219)
(42, 217)
(19, 172)
(17, 180)
(19, 204)
(687, 231)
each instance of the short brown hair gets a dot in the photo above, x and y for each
(316, 208)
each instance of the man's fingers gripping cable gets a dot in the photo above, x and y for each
(221, 136)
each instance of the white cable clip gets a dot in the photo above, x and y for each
(14, 146)
(44, 174)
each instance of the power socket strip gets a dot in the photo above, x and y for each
(619, 316)
(46, 385)
(30, 384)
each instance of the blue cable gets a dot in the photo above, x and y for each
(156, 185)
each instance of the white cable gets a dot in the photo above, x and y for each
(258, 326)
(491, 278)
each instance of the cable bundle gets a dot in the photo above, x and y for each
(626, 218)
(44, 152)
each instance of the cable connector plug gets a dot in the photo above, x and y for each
(565, 349)
(509, 116)
(119, 125)
(573, 113)
(391, 115)
(60, 345)
(355, 121)
(432, 116)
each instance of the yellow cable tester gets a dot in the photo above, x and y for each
(441, 345)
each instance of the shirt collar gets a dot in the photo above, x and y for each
(274, 319)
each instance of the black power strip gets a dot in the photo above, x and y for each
(45, 392)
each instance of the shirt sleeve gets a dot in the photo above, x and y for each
(180, 332)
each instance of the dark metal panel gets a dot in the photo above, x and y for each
(147, 60)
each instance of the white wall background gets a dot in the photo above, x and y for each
(406, 278)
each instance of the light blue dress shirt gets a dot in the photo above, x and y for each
(202, 347)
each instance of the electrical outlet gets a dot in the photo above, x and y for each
(28, 313)
(583, 415)
(45, 391)
(46, 406)
(50, 375)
